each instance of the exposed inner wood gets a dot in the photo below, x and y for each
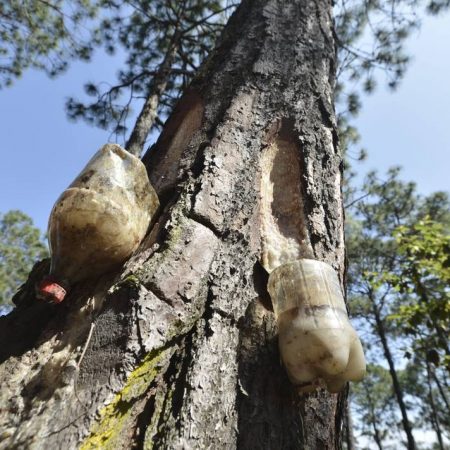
(166, 155)
(284, 234)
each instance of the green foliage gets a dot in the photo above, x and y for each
(398, 249)
(43, 34)
(423, 277)
(398, 253)
(425, 247)
(21, 245)
(371, 38)
(146, 32)
(375, 215)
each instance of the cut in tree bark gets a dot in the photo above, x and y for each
(184, 349)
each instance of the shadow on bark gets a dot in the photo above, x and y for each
(20, 329)
(265, 395)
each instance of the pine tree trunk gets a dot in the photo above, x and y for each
(411, 444)
(349, 436)
(149, 111)
(184, 353)
(434, 414)
(441, 389)
(374, 420)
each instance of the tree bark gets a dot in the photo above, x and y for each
(149, 111)
(424, 298)
(442, 391)
(434, 414)
(184, 349)
(373, 417)
(349, 435)
(411, 444)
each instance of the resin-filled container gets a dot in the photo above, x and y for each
(317, 343)
(99, 220)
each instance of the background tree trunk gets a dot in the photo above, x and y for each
(149, 111)
(434, 414)
(184, 353)
(411, 444)
(349, 436)
(374, 419)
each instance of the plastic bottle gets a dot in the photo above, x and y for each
(98, 221)
(317, 342)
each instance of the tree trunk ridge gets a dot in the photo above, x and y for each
(184, 350)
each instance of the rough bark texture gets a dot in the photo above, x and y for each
(184, 349)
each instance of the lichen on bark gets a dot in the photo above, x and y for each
(116, 419)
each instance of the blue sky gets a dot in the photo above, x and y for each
(42, 151)
(411, 126)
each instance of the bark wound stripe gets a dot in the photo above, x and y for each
(185, 121)
(283, 227)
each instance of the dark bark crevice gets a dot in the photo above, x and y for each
(142, 422)
(175, 379)
(260, 279)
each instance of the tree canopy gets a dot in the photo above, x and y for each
(21, 245)
(398, 291)
(43, 35)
